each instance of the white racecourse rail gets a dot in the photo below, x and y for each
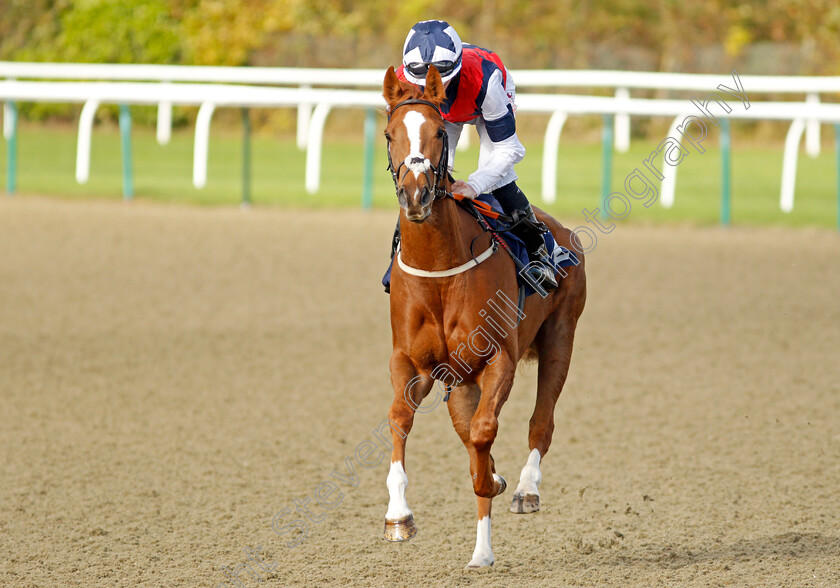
(209, 96)
(620, 81)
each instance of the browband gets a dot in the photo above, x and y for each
(414, 101)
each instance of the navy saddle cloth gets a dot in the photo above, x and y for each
(559, 256)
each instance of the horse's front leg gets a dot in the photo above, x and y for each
(462, 407)
(495, 383)
(410, 388)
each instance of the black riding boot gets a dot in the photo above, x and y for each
(530, 230)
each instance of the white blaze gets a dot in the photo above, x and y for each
(413, 121)
(397, 481)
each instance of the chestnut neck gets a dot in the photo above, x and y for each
(439, 242)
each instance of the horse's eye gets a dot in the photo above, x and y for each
(387, 137)
(441, 133)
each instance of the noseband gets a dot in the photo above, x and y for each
(440, 171)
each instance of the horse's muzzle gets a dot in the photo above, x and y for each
(419, 207)
(418, 214)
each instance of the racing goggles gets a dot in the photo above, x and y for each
(419, 70)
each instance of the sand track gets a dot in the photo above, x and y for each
(173, 377)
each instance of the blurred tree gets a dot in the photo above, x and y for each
(219, 32)
(26, 24)
(101, 31)
(754, 36)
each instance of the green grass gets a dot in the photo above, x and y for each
(46, 164)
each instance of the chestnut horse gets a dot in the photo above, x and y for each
(437, 317)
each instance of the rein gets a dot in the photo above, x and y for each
(484, 208)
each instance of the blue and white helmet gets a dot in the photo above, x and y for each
(431, 42)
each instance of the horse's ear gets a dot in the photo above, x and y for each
(391, 87)
(434, 87)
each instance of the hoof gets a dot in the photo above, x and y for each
(400, 529)
(479, 563)
(525, 503)
(502, 485)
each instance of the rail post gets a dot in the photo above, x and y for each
(550, 149)
(367, 184)
(125, 138)
(606, 167)
(164, 120)
(314, 144)
(304, 116)
(725, 175)
(622, 123)
(246, 158)
(812, 128)
(789, 160)
(10, 127)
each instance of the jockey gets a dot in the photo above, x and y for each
(479, 91)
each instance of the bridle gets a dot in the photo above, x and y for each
(440, 172)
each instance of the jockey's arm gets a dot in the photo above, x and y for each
(500, 126)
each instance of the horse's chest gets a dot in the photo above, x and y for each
(439, 342)
(428, 346)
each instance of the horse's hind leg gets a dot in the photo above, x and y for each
(554, 348)
(462, 404)
(410, 389)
